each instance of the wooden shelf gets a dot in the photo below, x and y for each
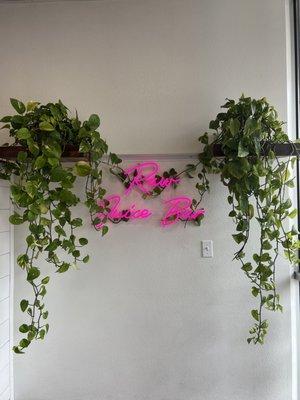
(72, 153)
(280, 149)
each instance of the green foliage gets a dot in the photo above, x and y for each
(42, 192)
(257, 183)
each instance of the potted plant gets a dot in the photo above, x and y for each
(42, 191)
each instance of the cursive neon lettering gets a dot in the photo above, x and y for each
(144, 177)
(115, 214)
(180, 209)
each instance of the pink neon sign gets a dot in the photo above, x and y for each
(144, 177)
(116, 214)
(180, 210)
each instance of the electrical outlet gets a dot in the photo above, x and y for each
(207, 248)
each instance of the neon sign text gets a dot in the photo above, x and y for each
(144, 176)
(115, 214)
(180, 209)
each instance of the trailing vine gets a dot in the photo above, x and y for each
(43, 196)
(257, 182)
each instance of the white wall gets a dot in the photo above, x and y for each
(164, 324)
(148, 318)
(156, 70)
(6, 326)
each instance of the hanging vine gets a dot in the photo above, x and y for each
(43, 195)
(42, 191)
(257, 182)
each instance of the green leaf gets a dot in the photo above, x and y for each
(247, 267)
(5, 119)
(242, 151)
(76, 253)
(290, 183)
(76, 222)
(68, 197)
(63, 268)
(214, 124)
(23, 133)
(234, 167)
(23, 260)
(94, 122)
(17, 121)
(33, 147)
(24, 305)
(239, 237)
(58, 174)
(59, 230)
(104, 230)
(115, 159)
(53, 161)
(24, 343)
(53, 245)
(22, 156)
(266, 245)
(18, 106)
(46, 126)
(52, 150)
(45, 280)
(250, 211)
(31, 188)
(86, 259)
(33, 273)
(255, 314)
(44, 208)
(234, 126)
(42, 334)
(24, 328)
(30, 335)
(17, 350)
(45, 314)
(83, 241)
(293, 213)
(16, 219)
(82, 168)
(55, 112)
(32, 105)
(40, 162)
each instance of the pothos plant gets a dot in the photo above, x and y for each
(257, 182)
(42, 191)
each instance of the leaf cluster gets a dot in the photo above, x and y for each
(257, 182)
(42, 190)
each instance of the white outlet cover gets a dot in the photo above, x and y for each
(207, 248)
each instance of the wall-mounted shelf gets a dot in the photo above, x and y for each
(280, 149)
(71, 153)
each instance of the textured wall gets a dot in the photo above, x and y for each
(156, 70)
(148, 318)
